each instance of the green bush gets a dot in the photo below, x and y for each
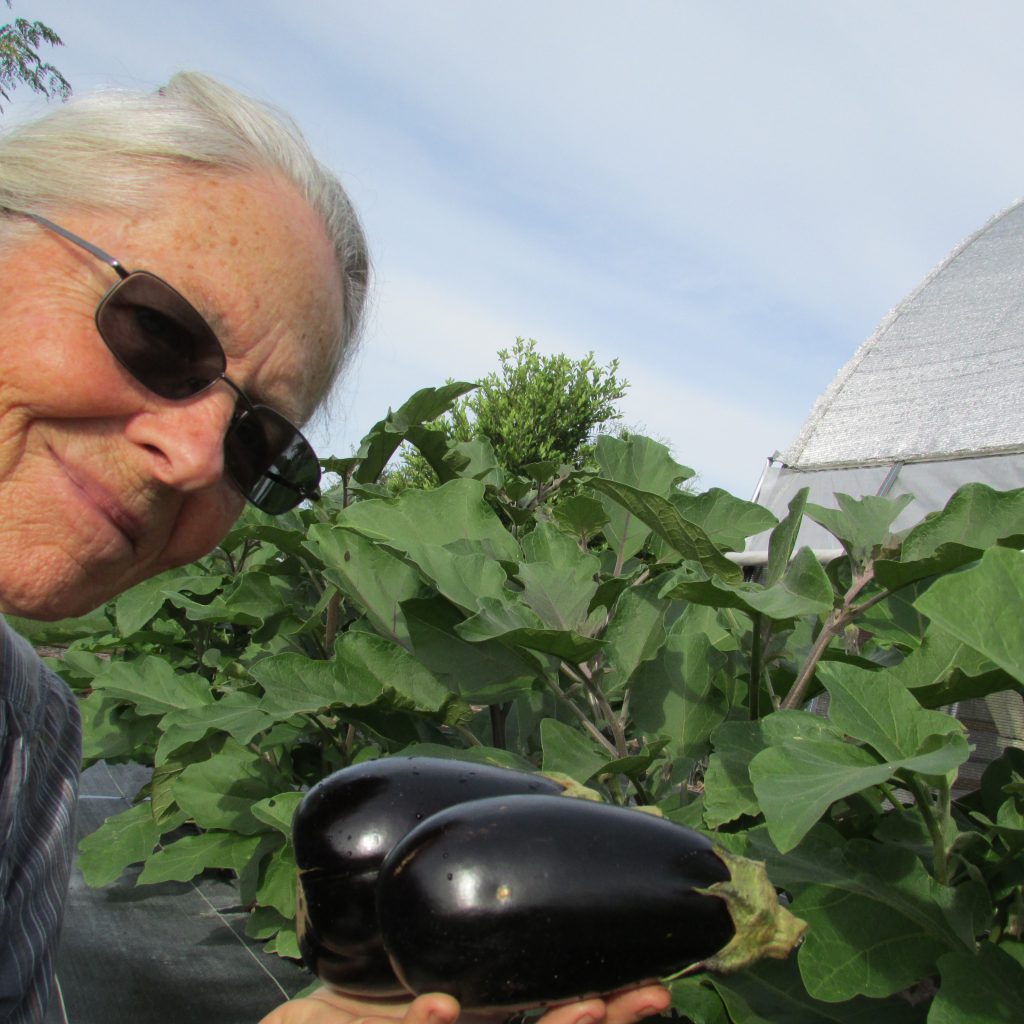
(611, 637)
(538, 409)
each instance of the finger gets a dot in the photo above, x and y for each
(587, 1011)
(635, 1004)
(435, 1008)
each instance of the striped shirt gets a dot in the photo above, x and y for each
(40, 754)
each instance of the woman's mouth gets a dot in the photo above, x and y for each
(100, 498)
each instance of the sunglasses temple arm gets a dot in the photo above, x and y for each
(307, 494)
(80, 242)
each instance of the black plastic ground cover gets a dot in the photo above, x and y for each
(160, 954)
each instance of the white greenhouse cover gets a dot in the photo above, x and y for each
(933, 400)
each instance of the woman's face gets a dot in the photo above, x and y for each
(102, 483)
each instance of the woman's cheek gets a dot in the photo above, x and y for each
(203, 523)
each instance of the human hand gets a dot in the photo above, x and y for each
(327, 1007)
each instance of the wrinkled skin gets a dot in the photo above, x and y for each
(104, 484)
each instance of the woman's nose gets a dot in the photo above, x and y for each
(184, 441)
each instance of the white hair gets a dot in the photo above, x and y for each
(112, 149)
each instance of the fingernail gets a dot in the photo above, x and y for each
(650, 1010)
(586, 1019)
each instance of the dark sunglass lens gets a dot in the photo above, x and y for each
(273, 465)
(159, 337)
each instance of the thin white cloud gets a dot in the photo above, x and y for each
(727, 197)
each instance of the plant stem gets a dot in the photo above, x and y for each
(330, 736)
(605, 710)
(499, 715)
(891, 797)
(582, 718)
(470, 739)
(838, 619)
(755, 667)
(620, 557)
(923, 801)
(331, 624)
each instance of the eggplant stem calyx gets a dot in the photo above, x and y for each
(764, 928)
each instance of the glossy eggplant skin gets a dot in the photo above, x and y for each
(344, 828)
(515, 902)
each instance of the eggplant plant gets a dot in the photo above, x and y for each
(593, 622)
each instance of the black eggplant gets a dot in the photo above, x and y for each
(515, 902)
(342, 831)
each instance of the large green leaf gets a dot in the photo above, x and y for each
(375, 580)
(362, 659)
(167, 770)
(569, 751)
(137, 606)
(642, 464)
(455, 513)
(294, 684)
(514, 623)
(61, 631)
(483, 672)
(803, 589)
(782, 542)
(880, 928)
(876, 709)
(678, 693)
(943, 670)
(634, 634)
(772, 992)
(111, 731)
(857, 946)
(697, 1001)
(887, 873)
(551, 544)
(434, 445)
(251, 600)
(984, 989)
(982, 607)
(384, 437)
(219, 793)
(560, 594)
(637, 460)
(797, 781)
(153, 686)
(976, 517)
(862, 525)
(728, 791)
(278, 811)
(476, 459)
(583, 516)
(238, 714)
(123, 839)
(726, 519)
(277, 888)
(462, 578)
(185, 858)
(366, 669)
(661, 516)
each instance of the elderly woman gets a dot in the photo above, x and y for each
(181, 283)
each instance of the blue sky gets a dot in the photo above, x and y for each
(727, 197)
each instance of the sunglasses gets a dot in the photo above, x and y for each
(160, 338)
